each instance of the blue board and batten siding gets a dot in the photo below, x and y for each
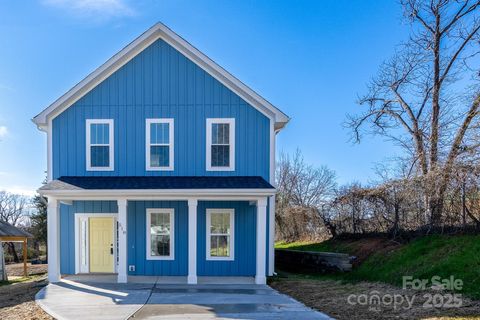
(161, 83)
(244, 243)
(136, 239)
(245, 237)
(67, 228)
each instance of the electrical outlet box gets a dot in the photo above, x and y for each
(131, 268)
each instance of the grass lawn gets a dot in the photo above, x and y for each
(423, 258)
(14, 279)
(325, 246)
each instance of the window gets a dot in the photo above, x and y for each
(220, 234)
(159, 144)
(160, 234)
(220, 144)
(99, 144)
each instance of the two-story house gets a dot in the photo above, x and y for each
(160, 162)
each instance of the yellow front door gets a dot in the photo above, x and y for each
(101, 245)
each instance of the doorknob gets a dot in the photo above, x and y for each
(111, 251)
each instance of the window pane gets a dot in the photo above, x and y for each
(159, 156)
(160, 228)
(220, 133)
(99, 133)
(160, 223)
(99, 156)
(220, 156)
(159, 133)
(160, 245)
(220, 223)
(220, 246)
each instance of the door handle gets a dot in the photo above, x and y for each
(111, 250)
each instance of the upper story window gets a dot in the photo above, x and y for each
(159, 144)
(99, 144)
(220, 234)
(221, 144)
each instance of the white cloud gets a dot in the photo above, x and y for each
(26, 191)
(93, 8)
(3, 131)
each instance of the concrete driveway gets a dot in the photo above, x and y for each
(152, 300)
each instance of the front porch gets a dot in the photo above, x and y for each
(159, 280)
(244, 242)
(83, 297)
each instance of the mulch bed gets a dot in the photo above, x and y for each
(331, 297)
(17, 300)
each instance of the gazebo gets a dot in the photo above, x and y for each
(9, 233)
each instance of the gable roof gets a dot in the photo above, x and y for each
(7, 230)
(160, 31)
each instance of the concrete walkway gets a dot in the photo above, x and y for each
(146, 299)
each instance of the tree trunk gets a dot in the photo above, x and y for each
(436, 210)
(11, 247)
(464, 207)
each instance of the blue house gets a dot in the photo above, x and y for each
(160, 162)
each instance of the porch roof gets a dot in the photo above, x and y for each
(72, 183)
(9, 231)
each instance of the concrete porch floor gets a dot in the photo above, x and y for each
(101, 297)
(112, 278)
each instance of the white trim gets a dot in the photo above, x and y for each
(231, 144)
(53, 239)
(111, 144)
(81, 237)
(171, 144)
(261, 242)
(78, 217)
(49, 130)
(138, 194)
(192, 241)
(171, 213)
(271, 236)
(208, 234)
(160, 31)
(122, 205)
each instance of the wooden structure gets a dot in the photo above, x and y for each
(9, 233)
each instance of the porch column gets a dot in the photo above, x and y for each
(122, 240)
(192, 241)
(271, 236)
(53, 235)
(261, 240)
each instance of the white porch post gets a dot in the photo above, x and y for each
(261, 240)
(271, 237)
(53, 234)
(192, 241)
(122, 240)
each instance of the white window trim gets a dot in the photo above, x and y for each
(172, 233)
(170, 144)
(210, 122)
(111, 144)
(232, 234)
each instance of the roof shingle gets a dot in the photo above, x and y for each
(152, 182)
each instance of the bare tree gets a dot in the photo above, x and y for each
(303, 192)
(13, 209)
(426, 98)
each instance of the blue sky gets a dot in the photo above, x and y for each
(309, 58)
